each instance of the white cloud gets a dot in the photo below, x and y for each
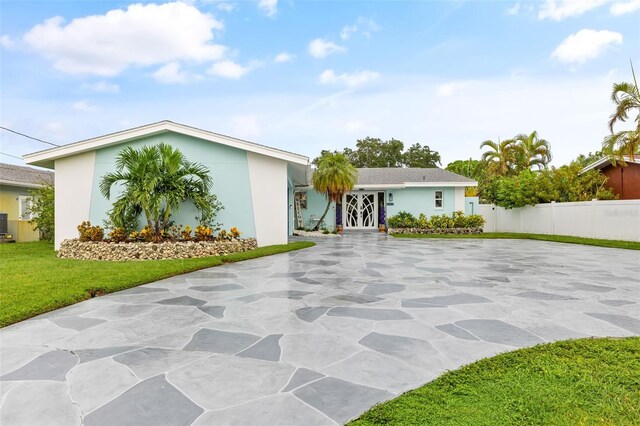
(621, 8)
(449, 89)
(83, 106)
(171, 73)
(142, 35)
(226, 7)
(284, 57)
(514, 10)
(228, 69)
(269, 7)
(102, 87)
(584, 45)
(558, 10)
(245, 126)
(7, 42)
(346, 32)
(320, 48)
(351, 80)
(366, 26)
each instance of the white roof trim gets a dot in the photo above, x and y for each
(604, 162)
(47, 157)
(22, 184)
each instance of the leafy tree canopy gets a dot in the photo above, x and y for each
(43, 210)
(334, 177)
(374, 152)
(473, 169)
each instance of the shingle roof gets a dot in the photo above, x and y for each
(12, 174)
(391, 176)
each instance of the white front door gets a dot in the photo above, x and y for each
(360, 210)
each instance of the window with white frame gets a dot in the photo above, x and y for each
(439, 204)
(24, 208)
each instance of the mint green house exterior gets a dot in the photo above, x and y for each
(254, 183)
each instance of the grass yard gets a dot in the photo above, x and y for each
(574, 382)
(34, 281)
(630, 245)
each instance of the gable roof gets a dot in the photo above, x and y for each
(47, 157)
(606, 161)
(411, 177)
(28, 177)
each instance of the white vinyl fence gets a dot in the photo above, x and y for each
(611, 220)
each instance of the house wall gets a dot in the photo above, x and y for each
(229, 170)
(613, 220)
(21, 230)
(624, 181)
(74, 191)
(471, 205)
(268, 177)
(422, 200)
(316, 203)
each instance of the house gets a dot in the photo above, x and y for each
(15, 184)
(255, 183)
(623, 180)
(383, 192)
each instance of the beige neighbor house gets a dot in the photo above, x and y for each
(15, 184)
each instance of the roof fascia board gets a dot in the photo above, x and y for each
(43, 157)
(22, 184)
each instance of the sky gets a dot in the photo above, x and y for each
(304, 76)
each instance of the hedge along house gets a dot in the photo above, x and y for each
(254, 183)
(383, 192)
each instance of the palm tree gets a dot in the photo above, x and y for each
(500, 156)
(531, 151)
(334, 177)
(626, 96)
(156, 180)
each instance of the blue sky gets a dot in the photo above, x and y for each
(311, 75)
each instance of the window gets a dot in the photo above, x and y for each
(24, 207)
(439, 199)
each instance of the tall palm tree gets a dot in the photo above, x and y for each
(626, 96)
(531, 151)
(334, 177)
(156, 180)
(500, 156)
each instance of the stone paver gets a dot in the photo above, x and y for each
(311, 337)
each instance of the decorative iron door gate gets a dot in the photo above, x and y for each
(360, 210)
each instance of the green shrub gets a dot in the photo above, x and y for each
(90, 233)
(475, 221)
(422, 221)
(118, 235)
(402, 220)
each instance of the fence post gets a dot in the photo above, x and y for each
(593, 218)
(553, 218)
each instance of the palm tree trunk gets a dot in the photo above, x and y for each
(323, 215)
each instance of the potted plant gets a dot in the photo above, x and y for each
(382, 228)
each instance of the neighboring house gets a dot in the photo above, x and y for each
(255, 183)
(15, 184)
(383, 192)
(623, 180)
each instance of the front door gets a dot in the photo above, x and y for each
(360, 210)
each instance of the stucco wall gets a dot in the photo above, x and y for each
(229, 170)
(421, 200)
(268, 177)
(73, 188)
(316, 203)
(21, 230)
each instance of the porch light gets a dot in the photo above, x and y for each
(390, 197)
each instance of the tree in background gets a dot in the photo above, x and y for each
(531, 151)
(156, 180)
(499, 157)
(591, 157)
(473, 169)
(374, 152)
(42, 208)
(626, 96)
(334, 176)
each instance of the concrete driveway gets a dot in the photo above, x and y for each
(308, 338)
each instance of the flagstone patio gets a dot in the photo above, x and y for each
(312, 337)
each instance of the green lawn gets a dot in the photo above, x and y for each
(575, 382)
(34, 281)
(631, 245)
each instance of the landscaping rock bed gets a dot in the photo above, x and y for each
(435, 231)
(302, 233)
(76, 249)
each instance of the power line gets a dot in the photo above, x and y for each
(9, 155)
(27, 136)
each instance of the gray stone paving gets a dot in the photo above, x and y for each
(312, 337)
